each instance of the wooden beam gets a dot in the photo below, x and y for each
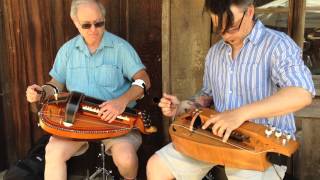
(189, 44)
(166, 67)
(10, 140)
(166, 33)
(297, 30)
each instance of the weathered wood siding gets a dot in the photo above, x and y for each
(185, 42)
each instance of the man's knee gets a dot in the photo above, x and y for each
(152, 164)
(156, 169)
(54, 154)
(126, 160)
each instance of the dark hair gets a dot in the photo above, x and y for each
(221, 7)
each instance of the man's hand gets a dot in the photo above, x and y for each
(224, 123)
(32, 94)
(109, 110)
(169, 105)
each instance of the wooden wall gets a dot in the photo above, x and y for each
(185, 42)
(31, 33)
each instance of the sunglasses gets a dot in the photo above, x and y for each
(236, 29)
(96, 25)
(232, 29)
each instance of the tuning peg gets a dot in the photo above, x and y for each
(272, 128)
(284, 141)
(268, 132)
(287, 136)
(278, 133)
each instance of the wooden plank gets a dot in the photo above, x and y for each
(272, 10)
(189, 43)
(144, 34)
(316, 81)
(166, 70)
(33, 37)
(185, 41)
(4, 126)
(309, 150)
(311, 111)
(297, 29)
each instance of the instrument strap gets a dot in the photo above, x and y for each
(72, 108)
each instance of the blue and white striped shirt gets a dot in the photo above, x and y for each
(268, 61)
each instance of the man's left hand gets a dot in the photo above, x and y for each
(109, 110)
(224, 123)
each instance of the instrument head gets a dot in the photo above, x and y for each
(144, 123)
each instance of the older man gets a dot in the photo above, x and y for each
(102, 65)
(254, 73)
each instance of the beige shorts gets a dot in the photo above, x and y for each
(133, 137)
(185, 168)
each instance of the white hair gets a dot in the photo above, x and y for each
(75, 4)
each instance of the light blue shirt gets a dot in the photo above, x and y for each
(268, 61)
(105, 75)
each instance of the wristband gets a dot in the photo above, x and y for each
(140, 83)
(55, 89)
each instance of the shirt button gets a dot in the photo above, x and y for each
(230, 92)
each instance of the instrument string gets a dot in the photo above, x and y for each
(87, 121)
(219, 139)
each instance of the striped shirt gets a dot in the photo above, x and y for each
(269, 60)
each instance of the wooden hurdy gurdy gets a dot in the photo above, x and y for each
(74, 115)
(246, 148)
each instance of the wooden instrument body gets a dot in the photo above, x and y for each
(87, 124)
(249, 154)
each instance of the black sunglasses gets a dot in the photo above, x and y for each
(96, 25)
(233, 30)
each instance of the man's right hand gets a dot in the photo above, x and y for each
(32, 93)
(169, 105)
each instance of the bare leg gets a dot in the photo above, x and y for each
(157, 169)
(125, 158)
(58, 151)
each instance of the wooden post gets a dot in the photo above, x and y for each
(185, 42)
(298, 22)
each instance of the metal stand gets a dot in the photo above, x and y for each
(106, 174)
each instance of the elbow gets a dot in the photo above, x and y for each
(148, 86)
(307, 99)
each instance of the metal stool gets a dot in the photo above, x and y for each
(101, 171)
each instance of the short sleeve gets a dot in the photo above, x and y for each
(58, 70)
(288, 68)
(206, 86)
(130, 60)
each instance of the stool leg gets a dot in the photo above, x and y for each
(105, 173)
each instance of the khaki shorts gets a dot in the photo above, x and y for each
(133, 137)
(185, 168)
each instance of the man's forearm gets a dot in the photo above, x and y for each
(136, 92)
(285, 101)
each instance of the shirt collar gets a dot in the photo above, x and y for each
(257, 32)
(106, 41)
